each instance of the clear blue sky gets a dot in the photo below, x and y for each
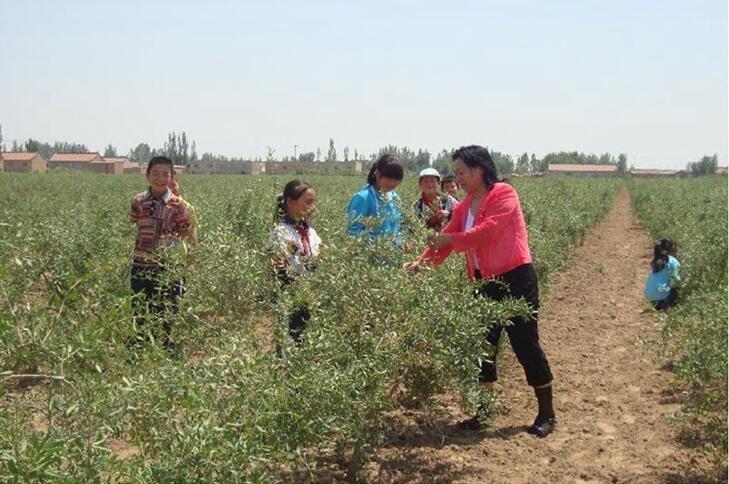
(648, 78)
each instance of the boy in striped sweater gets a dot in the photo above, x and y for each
(161, 221)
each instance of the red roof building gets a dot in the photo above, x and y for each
(23, 162)
(74, 161)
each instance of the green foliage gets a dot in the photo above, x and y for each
(332, 152)
(142, 152)
(705, 166)
(577, 157)
(693, 212)
(46, 149)
(411, 160)
(110, 150)
(523, 164)
(228, 407)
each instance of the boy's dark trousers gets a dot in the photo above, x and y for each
(152, 295)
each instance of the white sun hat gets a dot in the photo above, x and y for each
(430, 171)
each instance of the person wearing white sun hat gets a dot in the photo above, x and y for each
(434, 208)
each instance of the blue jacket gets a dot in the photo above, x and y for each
(367, 203)
(659, 284)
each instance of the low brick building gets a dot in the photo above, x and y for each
(646, 173)
(74, 161)
(226, 168)
(302, 167)
(339, 166)
(133, 166)
(582, 170)
(109, 164)
(23, 162)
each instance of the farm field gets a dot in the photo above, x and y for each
(388, 360)
(695, 333)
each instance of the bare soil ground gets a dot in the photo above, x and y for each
(613, 396)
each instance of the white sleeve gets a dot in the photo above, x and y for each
(281, 241)
(314, 242)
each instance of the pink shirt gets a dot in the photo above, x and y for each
(498, 237)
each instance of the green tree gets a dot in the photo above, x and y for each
(193, 152)
(606, 159)
(270, 153)
(422, 159)
(622, 164)
(66, 147)
(110, 150)
(170, 148)
(504, 163)
(444, 161)
(183, 148)
(705, 166)
(535, 165)
(522, 164)
(45, 149)
(32, 145)
(307, 157)
(141, 153)
(332, 153)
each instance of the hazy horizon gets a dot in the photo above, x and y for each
(648, 79)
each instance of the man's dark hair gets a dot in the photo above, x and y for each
(160, 160)
(448, 178)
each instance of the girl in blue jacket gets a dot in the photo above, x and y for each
(374, 211)
(660, 287)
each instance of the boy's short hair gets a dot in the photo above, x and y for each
(448, 178)
(160, 160)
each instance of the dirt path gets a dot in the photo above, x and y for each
(611, 395)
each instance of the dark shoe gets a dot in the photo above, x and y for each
(470, 424)
(543, 426)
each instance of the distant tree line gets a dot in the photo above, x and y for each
(183, 151)
(705, 166)
(177, 147)
(46, 149)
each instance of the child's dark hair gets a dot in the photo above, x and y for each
(388, 166)
(661, 251)
(447, 179)
(160, 160)
(475, 156)
(292, 191)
